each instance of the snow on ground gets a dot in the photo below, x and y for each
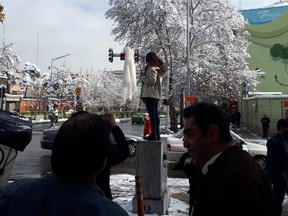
(123, 191)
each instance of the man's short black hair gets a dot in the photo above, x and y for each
(81, 145)
(282, 123)
(206, 114)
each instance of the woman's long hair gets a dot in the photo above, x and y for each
(153, 60)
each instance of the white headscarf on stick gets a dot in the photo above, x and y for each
(129, 75)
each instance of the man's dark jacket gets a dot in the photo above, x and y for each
(235, 185)
(277, 157)
(116, 154)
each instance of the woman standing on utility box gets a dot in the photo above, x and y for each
(151, 91)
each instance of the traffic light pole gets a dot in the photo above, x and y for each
(50, 86)
(111, 54)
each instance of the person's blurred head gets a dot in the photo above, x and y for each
(145, 115)
(80, 146)
(206, 131)
(282, 127)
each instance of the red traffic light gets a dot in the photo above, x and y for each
(122, 56)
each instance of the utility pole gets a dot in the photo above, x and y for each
(188, 52)
(51, 70)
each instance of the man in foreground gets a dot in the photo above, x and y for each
(79, 153)
(233, 183)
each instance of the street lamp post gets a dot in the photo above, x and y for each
(51, 66)
(188, 88)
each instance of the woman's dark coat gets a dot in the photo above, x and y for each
(117, 153)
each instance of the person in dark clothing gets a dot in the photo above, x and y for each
(277, 162)
(233, 183)
(194, 175)
(265, 125)
(117, 153)
(79, 153)
(237, 118)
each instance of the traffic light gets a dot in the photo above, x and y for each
(122, 56)
(110, 55)
(136, 55)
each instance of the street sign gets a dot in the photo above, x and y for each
(191, 99)
(78, 91)
(285, 104)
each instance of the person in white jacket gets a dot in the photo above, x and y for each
(151, 80)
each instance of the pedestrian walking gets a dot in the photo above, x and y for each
(265, 125)
(277, 163)
(54, 116)
(237, 118)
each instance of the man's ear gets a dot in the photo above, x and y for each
(213, 132)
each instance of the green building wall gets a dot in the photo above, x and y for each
(267, 26)
(262, 38)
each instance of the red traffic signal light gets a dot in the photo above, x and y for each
(122, 56)
(110, 55)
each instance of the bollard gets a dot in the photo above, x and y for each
(139, 195)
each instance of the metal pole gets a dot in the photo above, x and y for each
(188, 52)
(168, 97)
(1, 98)
(51, 66)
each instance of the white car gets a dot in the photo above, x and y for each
(175, 148)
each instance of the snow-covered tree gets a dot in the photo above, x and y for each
(30, 78)
(99, 90)
(217, 44)
(9, 61)
(218, 51)
(151, 26)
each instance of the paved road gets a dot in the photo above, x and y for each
(34, 161)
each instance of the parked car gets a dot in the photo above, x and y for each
(49, 135)
(138, 117)
(175, 148)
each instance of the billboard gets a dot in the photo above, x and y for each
(268, 26)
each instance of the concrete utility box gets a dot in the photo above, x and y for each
(151, 166)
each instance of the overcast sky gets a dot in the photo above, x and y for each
(46, 29)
